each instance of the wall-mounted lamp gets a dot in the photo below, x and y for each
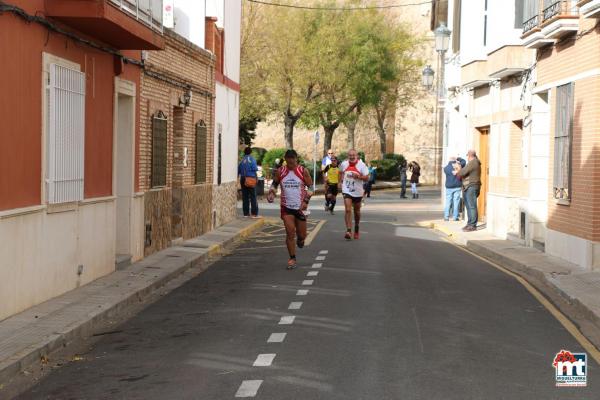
(186, 98)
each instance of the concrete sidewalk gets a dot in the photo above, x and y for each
(575, 291)
(30, 336)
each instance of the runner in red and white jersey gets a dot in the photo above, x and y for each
(353, 173)
(293, 179)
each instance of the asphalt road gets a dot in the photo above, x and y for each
(399, 314)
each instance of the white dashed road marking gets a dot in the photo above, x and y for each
(276, 338)
(324, 252)
(312, 273)
(287, 320)
(295, 305)
(248, 388)
(307, 282)
(264, 360)
(317, 265)
(320, 258)
(302, 292)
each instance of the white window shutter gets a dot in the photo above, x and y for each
(66, 133)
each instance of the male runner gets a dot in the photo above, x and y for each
(332, 179)
(294, 179)
(354, 173)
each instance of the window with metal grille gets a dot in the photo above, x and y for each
(201, 144)
(66, 135)
(159, 150)
(563, 139)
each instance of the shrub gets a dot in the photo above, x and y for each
(269, 159)
(258, 153)
(393, 156)
(387, 169)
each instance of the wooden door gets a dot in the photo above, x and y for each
(484, 156)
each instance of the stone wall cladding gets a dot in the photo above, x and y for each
(225, 202)
(196, 210)
(157, 216)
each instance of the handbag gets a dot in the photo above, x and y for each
(250, 181)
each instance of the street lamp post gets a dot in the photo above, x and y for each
(442, 40)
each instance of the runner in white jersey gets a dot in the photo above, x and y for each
(353, 173)
(294, 179)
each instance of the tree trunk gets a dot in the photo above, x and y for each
(382, 141)
(329, 131)
(289, 124)
(351, 127)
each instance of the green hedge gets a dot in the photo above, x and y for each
(387, 169)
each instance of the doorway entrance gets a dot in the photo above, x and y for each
(484, 157)
(124, 176)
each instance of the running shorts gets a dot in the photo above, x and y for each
(355, 200)
(332, 189)
(296, 213)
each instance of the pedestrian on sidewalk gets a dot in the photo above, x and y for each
(294, 180)
(247, 170)
(453, 190)
(415, 170)
(354, 173)
(331, 175)
(403, 167)
(372, 176)
(471, 183)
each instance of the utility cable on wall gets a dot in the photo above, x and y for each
(50, 26)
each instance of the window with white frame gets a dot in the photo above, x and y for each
(563, 139)
(65, 134)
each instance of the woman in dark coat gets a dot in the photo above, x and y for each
(415, 169)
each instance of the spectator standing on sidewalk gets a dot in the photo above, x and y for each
(247, 170)
(453, 189)
(471, 182)
(372, 176)
(415, 170)
(403, 168)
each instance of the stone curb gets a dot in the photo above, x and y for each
(541, 280)
(12, 366)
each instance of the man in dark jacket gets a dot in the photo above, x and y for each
(471, 182)
(453, 189)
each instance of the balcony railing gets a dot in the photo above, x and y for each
(149, 12)
(531, 23)
(557, 8)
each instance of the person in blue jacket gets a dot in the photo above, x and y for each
(453, 190)
(248, 169)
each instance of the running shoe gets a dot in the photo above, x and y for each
(291, 263)
(348, 236)
(356, 236)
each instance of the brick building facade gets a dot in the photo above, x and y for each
(180, 206)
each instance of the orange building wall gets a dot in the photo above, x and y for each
(21, 48)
